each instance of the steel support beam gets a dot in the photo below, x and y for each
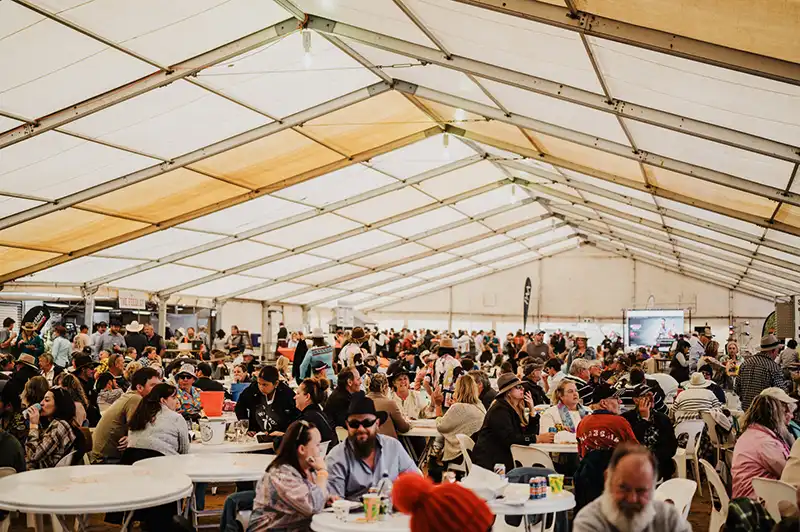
(335, 238)
(647, 38)
(160, 78)
(561, 91)
(198, 155)
(256, 231)
(162, 317)
(608, 146)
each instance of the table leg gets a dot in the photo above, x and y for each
(409, 448)
(38, 522)
(126, 521)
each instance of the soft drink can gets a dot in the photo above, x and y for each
(500, 469)
(552, 429)
(533, 494)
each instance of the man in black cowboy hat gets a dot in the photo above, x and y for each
(362, 460)
(24, 370)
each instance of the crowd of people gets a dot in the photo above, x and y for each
(611, 402)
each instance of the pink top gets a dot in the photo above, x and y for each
(758, 453)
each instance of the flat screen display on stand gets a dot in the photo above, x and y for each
(646, 328)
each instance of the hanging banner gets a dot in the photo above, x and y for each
(129, 299)
(526, 303)
(38, 315)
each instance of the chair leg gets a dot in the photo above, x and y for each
(696, 467)
(680, 465)
(5, 524)
(56, 524)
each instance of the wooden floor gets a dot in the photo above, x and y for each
(698, 516)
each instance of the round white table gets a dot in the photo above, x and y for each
(84, 490)
(553, 503)
(212, 467)
(327, 522)
(420, 428)
(229, 447)
(556, 447)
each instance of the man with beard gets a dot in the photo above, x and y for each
(365, 457)
(627, 504)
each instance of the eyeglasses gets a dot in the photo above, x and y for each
(355, 424)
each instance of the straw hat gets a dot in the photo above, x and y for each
(134, 326)
(698, 381)
(447, 342)
(769, 342)
(28, 326)
(27, 359)
(316, 332)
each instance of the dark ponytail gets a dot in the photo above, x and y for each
(150, 406)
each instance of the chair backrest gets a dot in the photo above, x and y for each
(716, 488)
(708, 419)
(341, 433)
(323, 447)
(466, 444)
(680, 491)
(525, 456)
(6, 471)
(66, 460)
(694, 429)
(773, 492)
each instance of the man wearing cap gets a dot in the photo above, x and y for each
(112, 341)
(760, 371)
(605, 428)
(531, 377)
(365, 457)
(537, 348)
(697, 348)
(653, 429)
(29, 342)
(445, 364)
(134, 337)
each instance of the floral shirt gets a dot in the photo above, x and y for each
(189, 402)
(285, 501)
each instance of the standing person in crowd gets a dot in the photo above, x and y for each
(582, 349)
(378, 391)
(554, 375)
(412, 403)
(537, 348)
(605, 428)
(760, 371)
(300, 353)
(189, 405)
(580, 375)
(7, 336)
(653, 429)
(446, 364)
(113, 341)
(506, 424)
(627, 503)
(763, 448)
(568, 411)
(237, 342)
(268, 404)
(135, 338)
(319, 351)
(96, 341)
(697, 347)
(351, 346)
(29, 342)
(347, 386)
(45, 448)
(82, 340)
(486, 393)
(283, 334)
(219, 343)
(789, 355)
(679, 365)
(48, 368)
(365, 457)
(61, 348)
(82, 404)
(154, 340)
(309, 398)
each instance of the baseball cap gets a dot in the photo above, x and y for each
(604, 391)
(779, 394)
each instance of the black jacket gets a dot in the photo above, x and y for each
(299, 355)
(337, 405)
(537, 392)
(265, 417)
(21, 377)
(501, 428)
(207, 385)
(137, 340)
(314, 414)
(665, 445)
(487, 397)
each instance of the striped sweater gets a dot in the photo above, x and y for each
(691, 403)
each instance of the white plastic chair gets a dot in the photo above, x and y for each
(694, 429)
(529, 457)
(323, 447)
(5, 524)
(773, 492)
(722, 447)
(466, 444)
(341, 433)
(243, 517)
(66, 460)
(680, 491)
(716, 490)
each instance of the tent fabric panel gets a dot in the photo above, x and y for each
(160, 278)
(558, 247)
(336, 186)
(53, 165)
(719, 219)
(709, 250)
(9, 205)
(421, 156)
(160, 244)
(452, 236)
(274, 292)
(461, 180)
(170, 121)
(765, 28)
(493, 199)
(478, 270)
(66, 230)
(268, 160)
(281, 78)
(530, 228)
(368, 124)
(8, 123)
(247, 215)
(81, 270)
(424, 222)
(282, 267)
(386, 206)
(219, 287)
(393, 286)
(783, 238)
(377, 302)
(763, 250)
(427, 262)
(328, 274)
(788, 214)
(447, 268)
(355, 244)
(231, 255)
(526, 212)
(165, 196)
(709, 234)
(472, 122)
(561, 232)
(385, 257)
(468, 249)
(364, 280)
(314, 295)
(611, 187)
(623, 207)
(491, 255)
(700, 91)
(558, 112)
(519, 259)
(508, 41)
(307, 231)
(13, 259)
(713, 155)
(48, 66)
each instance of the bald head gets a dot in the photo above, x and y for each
(630, 478)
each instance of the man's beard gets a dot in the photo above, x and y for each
(626, 517)
(365, 448)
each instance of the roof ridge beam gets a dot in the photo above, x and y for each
(582, 97)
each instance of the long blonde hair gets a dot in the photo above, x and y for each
(466, 390)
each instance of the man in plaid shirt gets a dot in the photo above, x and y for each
(759, 372)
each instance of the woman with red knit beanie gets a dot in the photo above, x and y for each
(444, 507)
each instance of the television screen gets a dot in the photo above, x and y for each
(653, 327)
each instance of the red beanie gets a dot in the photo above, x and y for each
(445, 507)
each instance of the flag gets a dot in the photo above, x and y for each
(526, 302)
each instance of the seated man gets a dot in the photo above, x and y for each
(348, 384)
(637, 378)
(359, 462)
(580, 375)
(204, 381)
(605, 428)
(653, 430)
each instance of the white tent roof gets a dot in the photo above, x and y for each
(305, 151)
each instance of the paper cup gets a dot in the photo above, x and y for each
(340, 509)
(372, 507)
(556, 483)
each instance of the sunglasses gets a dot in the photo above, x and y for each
(184, 377)
(367, 423)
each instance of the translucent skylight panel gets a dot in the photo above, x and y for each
(81, 270)
(422, 156)
(422, 264)
(708, 234)
(520, 214)
(447, 268)
(538, 240)
(481, 245)
(518, 259)
(488, 200)
(398, 254)
(611, 187)
(386, 206)
(365, 280)
(315, 295)
(231, 255)
(496, 253)
(307, 231)
(159, 244)
(355, 244)
(273, 292)
(336, 186)
(559, 247)
(425, 222)
(454, 236)
(239, 218)
(713, 217)
(329, 274)
(462, 180)
(161, 278)
(282, 79)
(395, 286)
(9, 205)
(283, 267)
(223, 286)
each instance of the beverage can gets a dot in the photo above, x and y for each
(499, 469)
(552, 429)
(532, 489)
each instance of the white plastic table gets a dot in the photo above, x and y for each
(229, 447)
(420, 428)
(551, 505)
(84, 490)
(556, 447)
(327, 522)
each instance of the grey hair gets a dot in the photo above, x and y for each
(47, 356)
(481, 377)
(578, 365)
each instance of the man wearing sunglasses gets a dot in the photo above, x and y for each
(362, 460)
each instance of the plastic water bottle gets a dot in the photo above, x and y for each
(385, 492)
(37, 406)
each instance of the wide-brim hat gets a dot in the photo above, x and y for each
(769, 342)
(396, 369)
(698, 380)
(580, 334)
(187, 369)
(248, 353)
(27, 359)
(82, 361)
(316, 332)
(134, 326)
(447, 342)
(358, 334)
(28, 326)
(506, 382)
(363, 405)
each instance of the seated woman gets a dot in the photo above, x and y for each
(34, 391)
(75, 389)
(45, 448)
(295, 485)
(763, 448)
(568, 411)
(413, 404)
(378, 390)
(240, 374)
(282, 365)
(308, 399)
(188, 396)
